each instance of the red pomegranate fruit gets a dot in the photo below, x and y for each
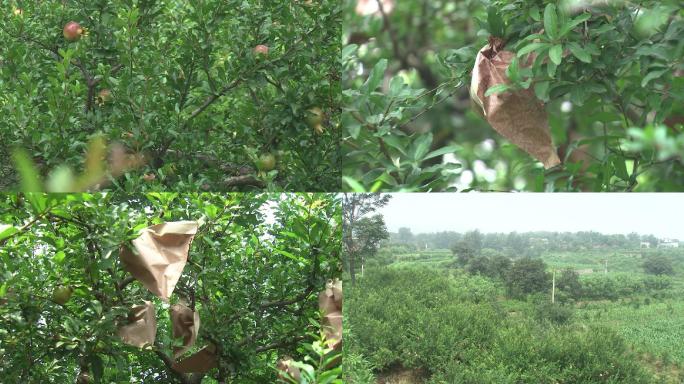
(72, 31)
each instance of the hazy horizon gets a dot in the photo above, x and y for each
(657, 214)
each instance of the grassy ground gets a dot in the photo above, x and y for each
(656, 329)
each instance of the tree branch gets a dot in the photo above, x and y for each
(123, 283)
(281, 303)
(168, 362)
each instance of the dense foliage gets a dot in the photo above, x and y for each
(451, 327)
(609, 73)
(254, 271)
(211, 94)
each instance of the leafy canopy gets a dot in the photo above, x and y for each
(610, 75)
(184, 90)
(254, 271)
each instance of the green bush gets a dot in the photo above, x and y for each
(450, 326)
(187, 92)
(555, 313)
(600, 287)
(357, 369)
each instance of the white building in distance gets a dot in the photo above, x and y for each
(668, 243)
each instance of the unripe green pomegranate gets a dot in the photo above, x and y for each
(266, 162)
(62, 294)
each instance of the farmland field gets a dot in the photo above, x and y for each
(420, 317)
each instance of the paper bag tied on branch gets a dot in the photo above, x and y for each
(141, 329)
(200, 362)
(186, 324)
(516, 115)
(161, 252)
(288, 371)
(330, 304)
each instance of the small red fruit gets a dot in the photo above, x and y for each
(72, 31)
(261, 50)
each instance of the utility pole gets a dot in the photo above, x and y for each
(553, 287)
(605, 269)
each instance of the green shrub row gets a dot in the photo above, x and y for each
(451, 326)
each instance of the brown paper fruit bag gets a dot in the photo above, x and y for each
(326, 304)
(200, 362)
(330, 304)
(287, 370)
(516, 115)
(186, 324)
(330, 300)
(161, 252)
(332, 328)
(336, 287)
(141, 329)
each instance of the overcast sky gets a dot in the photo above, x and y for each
(660, 214)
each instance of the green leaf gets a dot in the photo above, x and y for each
(376, 76)
(7, 231)
(551, 69)
(512, 71)
(575, 22)
(496, 89)
(59, 257)
(421, 146)
(532, 47)
(396, 85)
(387, 179)
(349, 51)
(355, 185)
(495, 21)
(290, 255)
(620, 168)
(550, 21)
(556, 54)
(579, 52)
(30, 178)
(395, 142)
(441, 151)
(653, 75)
(541, 89)
(535, 14)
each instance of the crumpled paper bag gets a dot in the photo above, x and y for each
(518, 116)
(287, 370)
(332, 327)
(186, 324)
(161, 252)
(200, 362)
(141, 329)
(330, 304)
(330, 300)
